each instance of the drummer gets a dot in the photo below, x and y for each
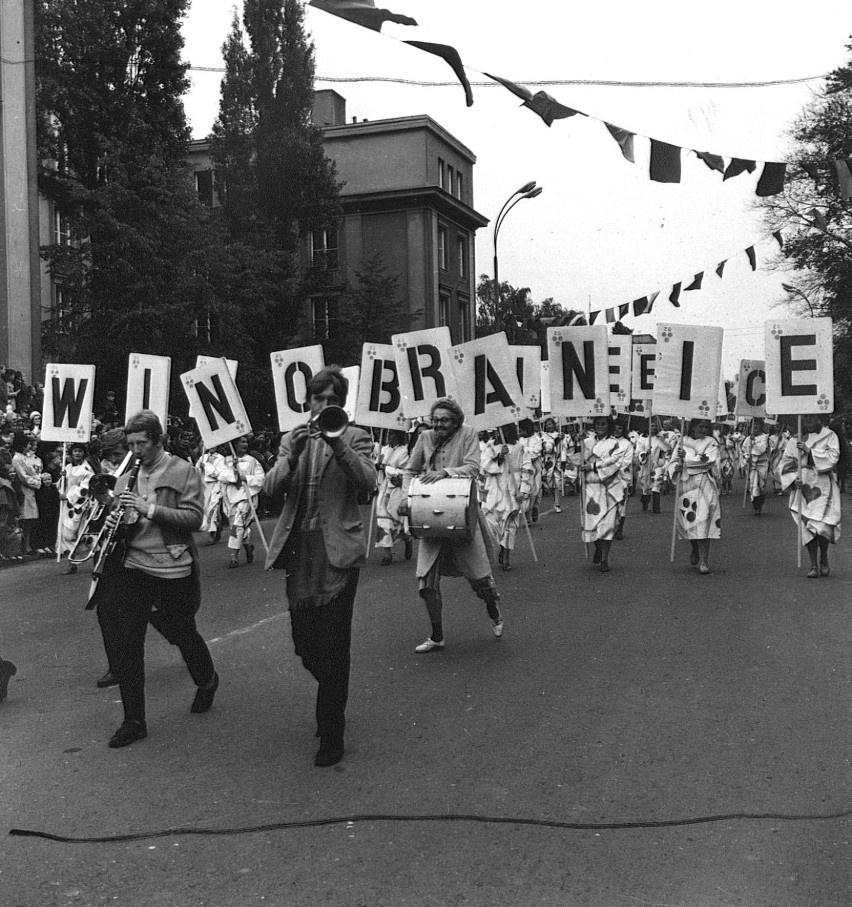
(449, 450)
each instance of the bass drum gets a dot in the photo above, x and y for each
(446, 509)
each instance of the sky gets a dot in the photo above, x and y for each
(601, 233)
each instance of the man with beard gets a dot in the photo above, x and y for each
(449, 450)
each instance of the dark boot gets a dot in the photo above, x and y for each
(757, 503)
(655, 496)
(619, 533)
(646, 499)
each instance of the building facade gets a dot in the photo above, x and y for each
(408, 194)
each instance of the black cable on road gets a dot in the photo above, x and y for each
(445, 817)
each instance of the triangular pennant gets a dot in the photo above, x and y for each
(624, 139)
(811, 168)
(623, 309)
(665, 162)
(696, 281)
(674, 296)
(593, 317)
(752, 258)
(452, 58)
(610, 316)
(771, 181)
(640, 306)
(713, 161)
(779, 239)
(737, 166)
(720, 268)
(518, 90)
(844, 178)
(362, 12)
(548, 108)
(651, 300)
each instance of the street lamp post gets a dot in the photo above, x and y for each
(528, 190)
(791, 289)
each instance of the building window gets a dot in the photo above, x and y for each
(324, 249)
(61, 312)
(462, 250)
(204, 187)
(443, 308)
(443, 252)
(459, 184)
(324, 312)
(61, 228)
(451, 181)
(441, 173)
(464, 319)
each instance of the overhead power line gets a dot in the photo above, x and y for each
(616, 83)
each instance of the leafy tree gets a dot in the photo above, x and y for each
(817, 221)
(133, 260)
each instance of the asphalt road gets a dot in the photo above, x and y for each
(641, 698)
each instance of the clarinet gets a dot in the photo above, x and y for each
(112, 537)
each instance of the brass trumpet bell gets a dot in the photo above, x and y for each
(329, 423)
(101, 487)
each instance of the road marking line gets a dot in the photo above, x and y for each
(248, 629)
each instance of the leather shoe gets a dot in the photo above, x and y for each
(129, 732)
(204, 697)
(329, 753)
(108, 680)
(429, 646)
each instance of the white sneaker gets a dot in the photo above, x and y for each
(557, 508)
(430, 645)
(497, 626)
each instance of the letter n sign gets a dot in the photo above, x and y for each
(799, 366)
(579, 370)
(215, 403)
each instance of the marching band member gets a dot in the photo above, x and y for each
(449, 449)
(320, 542)
(392, 526)
(508, 474)
(605, 489)
(755, 453)
(209, 464)
(818, 493)
(699, 512)
(551, 467)
(626, 471)
(240, 476)
(737, 437)
(727, 467)
(73, 490)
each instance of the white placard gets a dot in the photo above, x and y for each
(620, 350)
(291, 372)
(148, 383)
(352, 373)
(233, 365)
(799, 366)
(545, 387)
(642, 377)
(379, 397)
(216, 404)
(489, 392)
(528, 369)
(722, 400)
(69, 394)
(424, 370)
(689, 360)
(751, 390)
(579, 370)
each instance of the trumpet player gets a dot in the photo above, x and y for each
(241, 478)
(319, 540)
(159, 571)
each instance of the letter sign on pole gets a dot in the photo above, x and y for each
(233, 365)
(352, 373)
(379, 398)
(216, 403)
(579, 370)
(528, 368)
(799, 366)
(751, 390)
(69, 393)
(545, 387)
(620, 350)
(642, 377)
(148, 383)
(487, 380)
(423, 366)
(689, 360)
(291, 372)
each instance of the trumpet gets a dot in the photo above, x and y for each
(101, 493)
(110, 538)
(330, 422)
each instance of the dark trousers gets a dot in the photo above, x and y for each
(322, 637)
(124, 616)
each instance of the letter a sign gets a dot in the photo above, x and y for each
(487, 379)
(379, 399)
(215, 403)
(689, 359)
(69, 392)
(423, 365)
(579, 370)
(148, 379)
(799, 366)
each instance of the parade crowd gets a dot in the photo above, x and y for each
(166, 487)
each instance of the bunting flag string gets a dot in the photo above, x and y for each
(665, 158)
(644, 304)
